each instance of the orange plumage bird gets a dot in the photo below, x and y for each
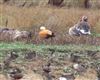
(45, 33)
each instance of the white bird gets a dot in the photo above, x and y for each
(62, 78)
(78, 67)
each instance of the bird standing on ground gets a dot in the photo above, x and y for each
(79, 68)
(46, 68)
(9, 58)
(81, 28)
(84, 26)
(30, 55)
(45, 33)
(15, 73)
(46, 71)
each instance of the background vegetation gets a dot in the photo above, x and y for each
(30, 15)
(14, 14)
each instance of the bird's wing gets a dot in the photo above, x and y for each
(49, 32)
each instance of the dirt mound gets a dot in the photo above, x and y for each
(2, 77)
(89, 75)
(29, 76)
(32, 76)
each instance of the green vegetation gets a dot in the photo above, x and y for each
(88, 55)
(72, 47)
(31, 15)
(42, 49)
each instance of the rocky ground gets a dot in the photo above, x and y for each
(52, 64)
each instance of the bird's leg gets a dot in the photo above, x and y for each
(51, 41)
(44, 41)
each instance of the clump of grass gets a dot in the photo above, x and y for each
(40, 48)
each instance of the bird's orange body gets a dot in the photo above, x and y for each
(45, 33)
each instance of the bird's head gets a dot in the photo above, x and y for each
(84, 18)
(42, 28)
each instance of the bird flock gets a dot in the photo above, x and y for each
(80, 28)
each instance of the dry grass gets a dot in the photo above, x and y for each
(89, 75)
(57, 19)
(28, 17)
(28, 76)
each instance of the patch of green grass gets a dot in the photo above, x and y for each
(42, 47)
(95, 34)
